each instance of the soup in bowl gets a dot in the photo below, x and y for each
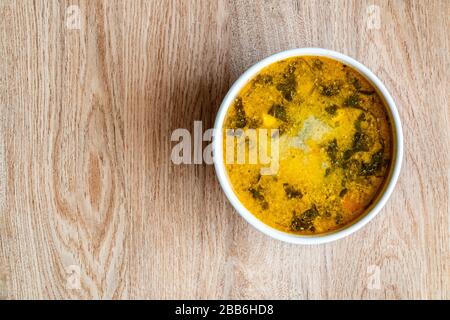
(308, 145)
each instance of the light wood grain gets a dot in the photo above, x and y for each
(85, 173)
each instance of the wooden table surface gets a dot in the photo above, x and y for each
(91, 205)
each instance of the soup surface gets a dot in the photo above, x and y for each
(334, 144)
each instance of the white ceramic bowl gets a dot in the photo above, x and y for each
(394, 168)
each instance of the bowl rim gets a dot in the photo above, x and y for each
(389, 185)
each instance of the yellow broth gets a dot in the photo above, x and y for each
(335, 144)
